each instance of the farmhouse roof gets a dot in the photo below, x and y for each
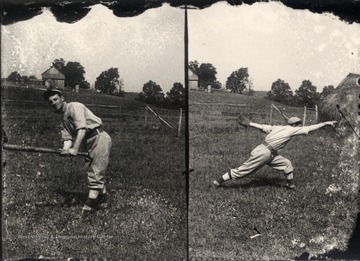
(352, 80)
(53, 73)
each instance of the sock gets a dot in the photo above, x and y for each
(226, 176)
(104, 190)
(93, 193)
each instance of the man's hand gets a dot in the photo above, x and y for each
(73, 151)
(331, 123)
(64, 152)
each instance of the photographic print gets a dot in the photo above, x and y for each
(273, 133)
(94, 152)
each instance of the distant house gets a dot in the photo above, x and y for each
(55, 75)
(36, 82)
(193, 80)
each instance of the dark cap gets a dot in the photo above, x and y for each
(50, 92)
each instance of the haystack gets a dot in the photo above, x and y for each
(346, 96)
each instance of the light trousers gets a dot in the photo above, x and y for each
(259, 157)
(96, 164)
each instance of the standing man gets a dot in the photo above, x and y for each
(79, 125)
(267, 153)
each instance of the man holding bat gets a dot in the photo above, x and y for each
(80, 125)
(267, 153)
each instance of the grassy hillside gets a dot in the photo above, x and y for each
(43, 194)
(315, 218)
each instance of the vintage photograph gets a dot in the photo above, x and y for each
(93, 134)
(180, 130)
(273, 133)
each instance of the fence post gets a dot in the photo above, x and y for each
(146, 115)
(304, 119)
(180, 120)
(316, 114)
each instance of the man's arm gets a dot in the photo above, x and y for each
(255, 125)
(320, 125)
(79, 138)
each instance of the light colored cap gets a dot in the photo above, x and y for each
(294, 120)
(50, 92)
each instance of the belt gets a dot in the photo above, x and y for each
(93, 132)
(272, 150)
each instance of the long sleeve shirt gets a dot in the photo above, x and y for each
(77, 116)
(279, 136)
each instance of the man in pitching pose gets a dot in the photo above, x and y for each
(267, 153)
(80, 124)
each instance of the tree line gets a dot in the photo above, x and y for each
(109, 82)
(239, 81)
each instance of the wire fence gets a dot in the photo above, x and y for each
(17, 112)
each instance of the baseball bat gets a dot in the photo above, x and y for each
(36, 149)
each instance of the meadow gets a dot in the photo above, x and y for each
(43, 193)
(316, 218)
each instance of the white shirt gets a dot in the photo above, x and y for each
(279, 136)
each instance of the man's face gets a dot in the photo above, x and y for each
(56, 102)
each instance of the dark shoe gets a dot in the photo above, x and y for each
(86, 211)
(102, 200)
(218, 182)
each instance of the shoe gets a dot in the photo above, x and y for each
(290, 186)
(102, 201)
(217, 183)
(86, 211)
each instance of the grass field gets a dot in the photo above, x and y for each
(43, 194)
(319, 216)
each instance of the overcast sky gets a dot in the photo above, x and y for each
(145, 47)
(272, 40)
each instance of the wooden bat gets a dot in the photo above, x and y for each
(36, 149)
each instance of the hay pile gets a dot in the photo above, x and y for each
(346, 95)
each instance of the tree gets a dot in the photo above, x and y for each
(14, 77)
(176, 96)
(207, 74)
(238, 81)
(32, 77)
(60, 65)
(84, 85)
(306, 94)
(280, 91)
(151, 93)
(24, 79)
(74, 73)
(108, 82)
(326, 91)
(194, 65)
(216, 85)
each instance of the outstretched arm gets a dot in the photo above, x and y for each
(255, 125)
(320, 125)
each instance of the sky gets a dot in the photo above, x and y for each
(271, 40)
(274, 42)
(145, 47)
